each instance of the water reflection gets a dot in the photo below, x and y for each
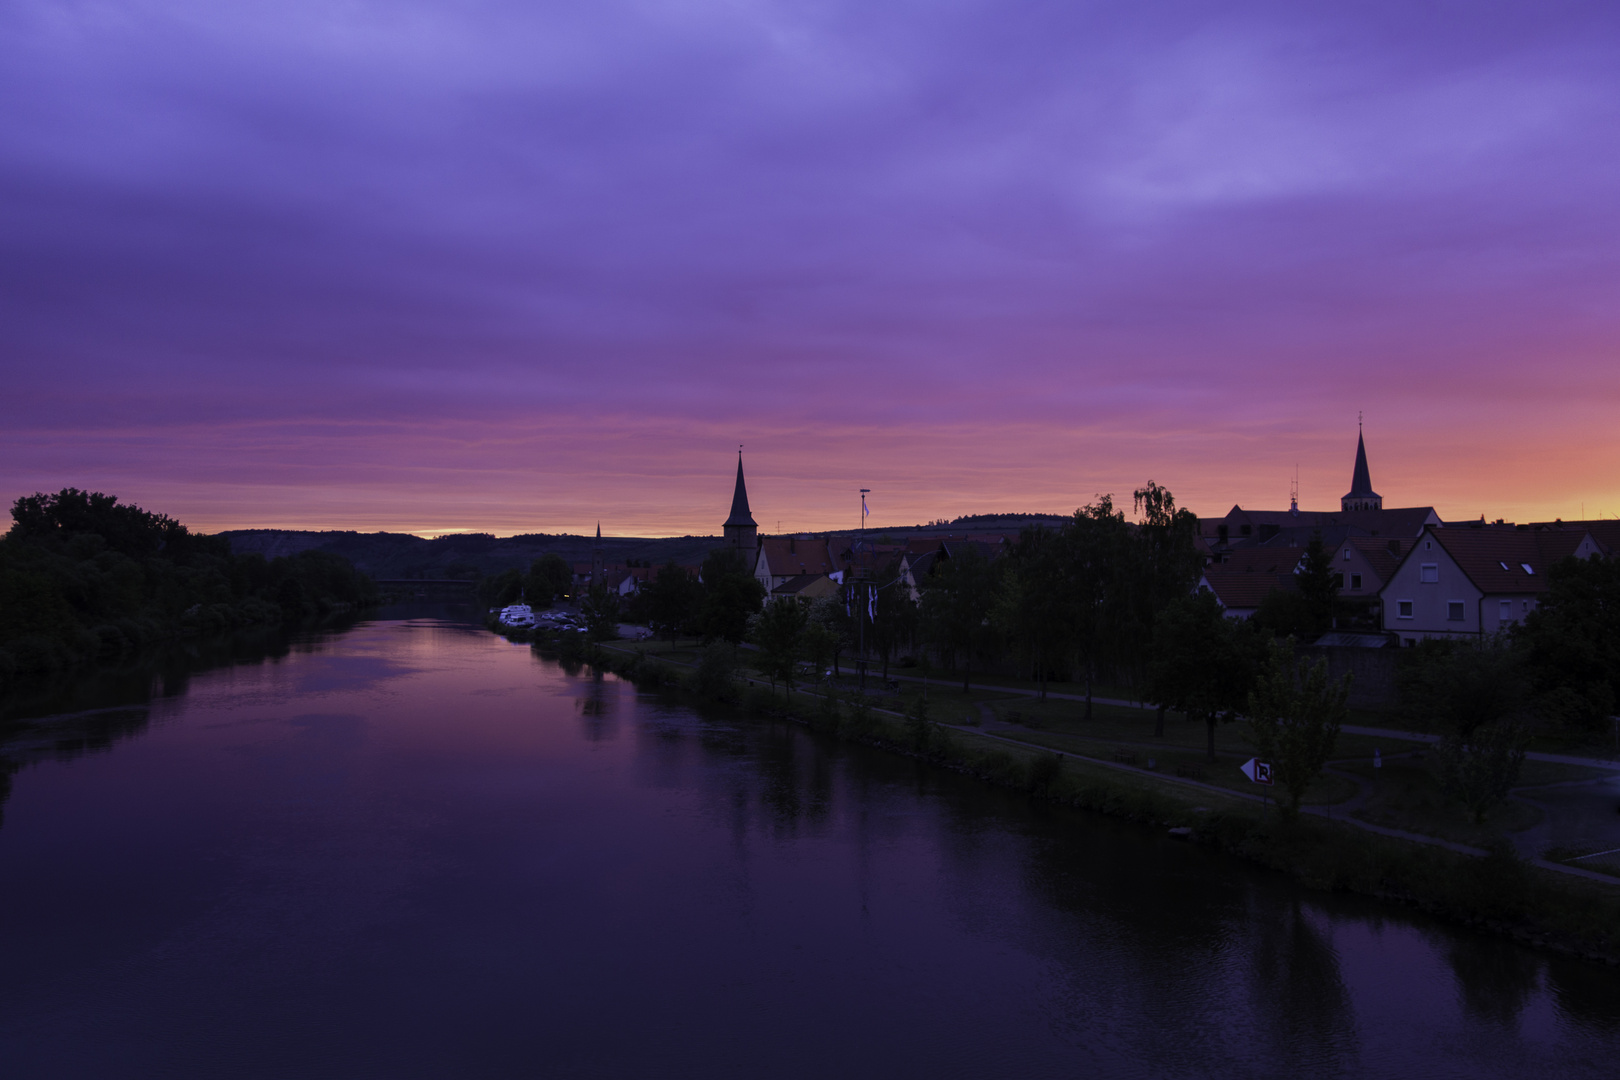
(413, 849)
(1495, 979)
(62, 716)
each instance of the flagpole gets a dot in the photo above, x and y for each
(861, 543)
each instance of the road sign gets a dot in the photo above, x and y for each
(1258, 771)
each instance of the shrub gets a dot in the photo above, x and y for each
(1044, 773)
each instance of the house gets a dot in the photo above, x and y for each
(1361, 513)
(806, 588)
(1363, 565)
(1474, 580)
(1243, 582)
(779, 559)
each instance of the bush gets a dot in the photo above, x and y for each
(716, 669)
(919, 729)
(1044, 773)
(829, 714)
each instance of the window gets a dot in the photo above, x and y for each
(1346, 554)
(1506, 611)
(1355, 581)
(1428, 545)
(1454, 611)
(1528, 568)
(1403, 609)
(1429, 573)
(1409, 642)
(1504, 566)
(1341, 581)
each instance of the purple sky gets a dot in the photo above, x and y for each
(518, 266)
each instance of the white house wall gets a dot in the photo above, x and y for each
(1430, 600)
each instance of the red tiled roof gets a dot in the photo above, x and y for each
(1261, 560)
(1376, 550)
(787, 556)
(1237, 588)
(1494, 559)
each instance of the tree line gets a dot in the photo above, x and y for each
(85, 578)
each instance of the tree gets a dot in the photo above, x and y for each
(1478, 695)
(1318, 584)
(1295, 712)
(1094, 581)
(778, 631)
(1204, 664)
(1455, 686)
(730, 595)
(672, 599)
(829, 621)
(1480, 771)
(1029, 607)
(549, 577)
(895, 615)
(601, 611)
(1571, 641)
(956, 606)
(502, 589)
(1166, 563)
(819, 642)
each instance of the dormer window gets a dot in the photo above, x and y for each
(1504, 566)
(1528, 569)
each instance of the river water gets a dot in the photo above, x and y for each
(411, 849)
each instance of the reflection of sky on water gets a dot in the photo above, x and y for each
(413, 850)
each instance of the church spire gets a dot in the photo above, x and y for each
(740, 514)
(740, 529)
(1361, 496)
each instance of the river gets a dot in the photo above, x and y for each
(411, 849)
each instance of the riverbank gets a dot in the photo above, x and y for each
(1492, 889)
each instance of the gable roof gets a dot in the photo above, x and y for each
(807, 585)
(1380, 556)
(1244, 589)
(1261, 560)
(1494, 560)
(788, 556)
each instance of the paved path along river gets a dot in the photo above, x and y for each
(415, 850)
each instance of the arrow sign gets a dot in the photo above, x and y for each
(1257, 771)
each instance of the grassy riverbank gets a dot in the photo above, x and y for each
(1499, 892)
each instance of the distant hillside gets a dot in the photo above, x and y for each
(469, 555)
(401, 555)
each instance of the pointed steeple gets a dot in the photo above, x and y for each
(740, 529)
(740, 514)
(1361, 496)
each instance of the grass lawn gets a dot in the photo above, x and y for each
(1179, 761)
(1406, 795)
(939, 675)
(1135, 726)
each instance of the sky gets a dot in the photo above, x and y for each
(523, 266)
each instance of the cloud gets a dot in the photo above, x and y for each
(1090, 221)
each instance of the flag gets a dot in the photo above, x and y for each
(871, 604)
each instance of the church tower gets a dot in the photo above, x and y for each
(598, 564)
(742, 534)
(1362, 496)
